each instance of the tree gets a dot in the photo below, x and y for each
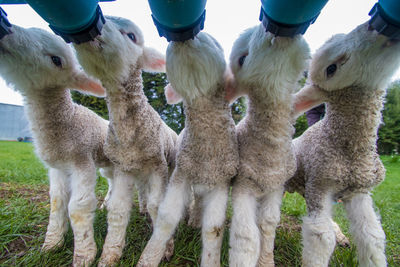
(238, 109)
(173, 115)
(300, 126)
(389, 131)
(96, 104)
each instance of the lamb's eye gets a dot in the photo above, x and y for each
(241, 60)
(131, 36)
(330, 70)
(56, 60)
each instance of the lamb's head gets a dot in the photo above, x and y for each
(34, 60)
(120, 48)
(195, 67)
(362, 58)
(265, 65)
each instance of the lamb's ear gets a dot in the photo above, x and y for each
(308, 97)
(230, 87)
(88, 85)
(153, 61)
(171, 95)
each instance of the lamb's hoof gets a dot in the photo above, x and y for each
(343, 241)
(52, 243)
(84, 260)
(266, 261)
(143, 263)
(107, 262)
(109, 259)
(149, 259)
(169, 251)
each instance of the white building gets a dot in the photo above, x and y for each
(13, 123)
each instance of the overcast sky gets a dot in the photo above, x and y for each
(225, 20)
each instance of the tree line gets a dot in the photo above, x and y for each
(173, 115)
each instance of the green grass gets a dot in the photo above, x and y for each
(24, 208)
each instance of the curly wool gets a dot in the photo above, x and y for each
(137, 138)
(268, 75)
(208, 150)
(70, 134)
(339, 152)
(264, 136)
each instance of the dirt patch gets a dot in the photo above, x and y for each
(35, 194)
(290, 224)
(18, 247)
(396, 258)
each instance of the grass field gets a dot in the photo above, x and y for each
(24, 208)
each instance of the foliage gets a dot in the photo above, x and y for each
(238, 109)
(389, 132)
(96, 104)
(300, 126)
(173, 115)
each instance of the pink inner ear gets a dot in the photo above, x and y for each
(97, 88)
(229, 93)
(171, 96)
(303, 105)
(92, 87)
(158, 64)
(307, 98)
(230, 90)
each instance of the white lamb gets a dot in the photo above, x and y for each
(140, 144)
(68, 137)
(266, 69)
(207, 156)
(337, 158)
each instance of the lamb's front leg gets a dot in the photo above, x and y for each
(142, 197)
(214, 203)
(196, 210)
(318, 234)
(170, 213)
(119, 208)
(367, 231)
(81, 208)
(108, 173)
(58, 220)
(156, 185)
(156, 190)
(269, 216)
(341, 239)
(244, 238)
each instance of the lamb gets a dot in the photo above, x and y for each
(266, 69)
(139, 143)
(207, 155)
(337, 158)
(68, 138)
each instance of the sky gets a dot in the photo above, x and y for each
(225, 20)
